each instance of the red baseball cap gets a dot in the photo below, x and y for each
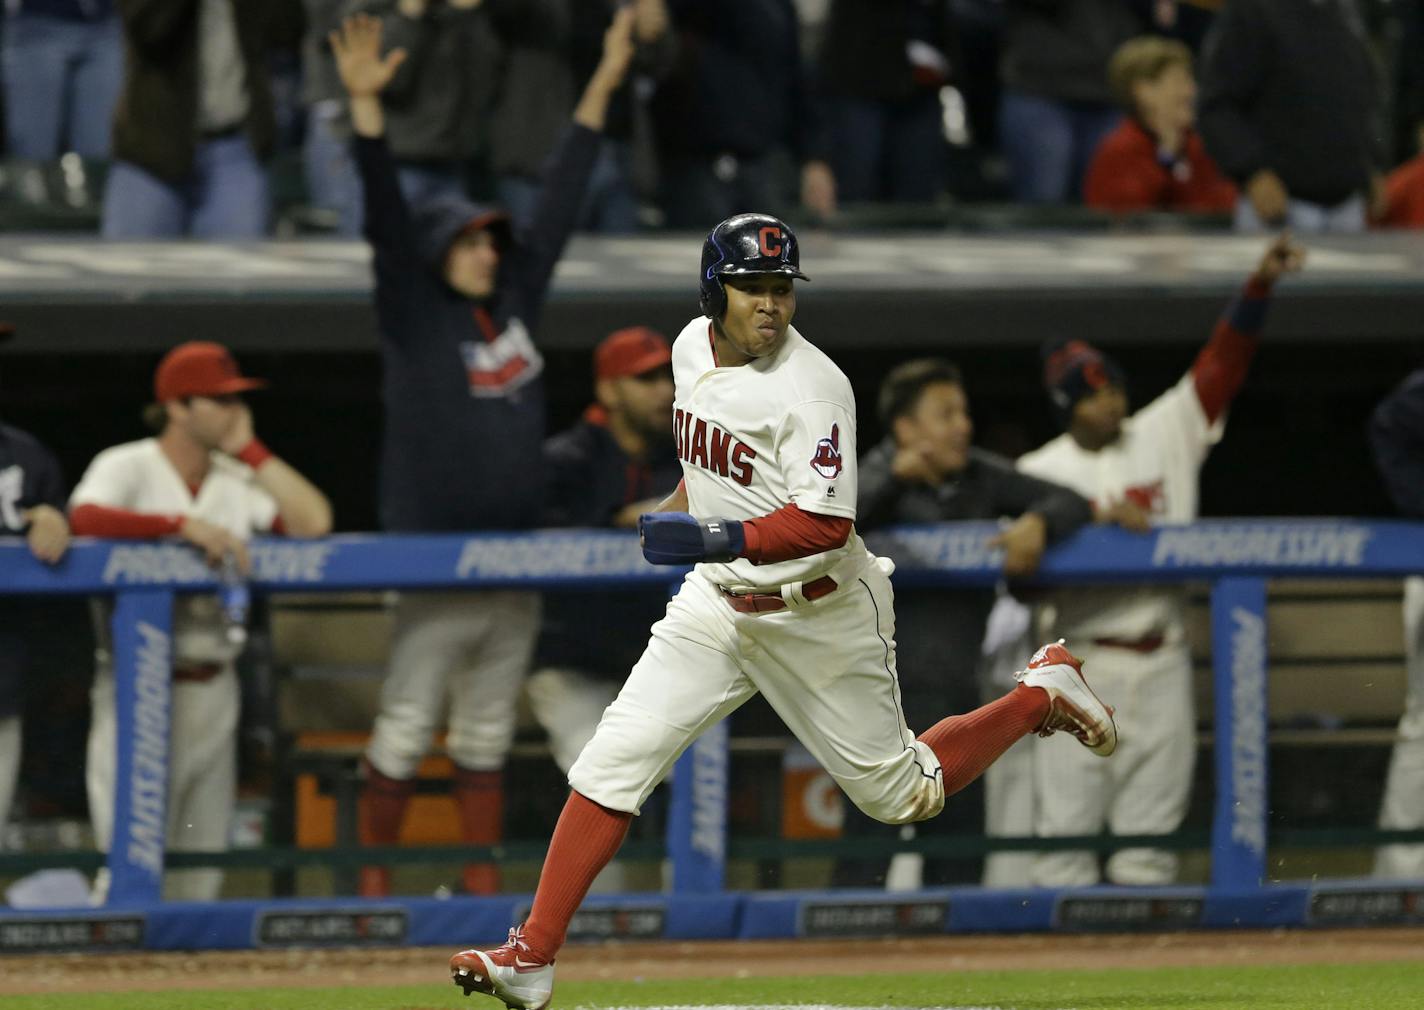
(199, 368)
(630, 351)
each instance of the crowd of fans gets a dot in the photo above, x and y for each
(1305, 112)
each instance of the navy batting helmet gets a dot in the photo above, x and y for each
(746, 244)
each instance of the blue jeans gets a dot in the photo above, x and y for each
(1049, 144)
(610, 206)
(332, 181)
(1307, 218)
(225, 197)
(888, 150)
(61, 79)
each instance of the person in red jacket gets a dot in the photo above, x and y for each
(1155, 160)
(1404, 192)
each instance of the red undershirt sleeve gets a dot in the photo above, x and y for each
(1220, 368)
(103, 521)
(791, 533)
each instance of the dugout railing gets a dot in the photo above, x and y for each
(1234, 558)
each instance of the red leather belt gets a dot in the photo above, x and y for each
(764, 603)
(197, 672)
(1149, 644)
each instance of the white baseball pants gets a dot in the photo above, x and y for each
(568, 704)
(10, 741)
(1403, 805)
(826, 666)
(1142, 790)
(472, 648)
(202, 774)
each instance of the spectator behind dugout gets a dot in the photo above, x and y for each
(735, 122)
(616, 462)
(1056, 105)
(459, 297)
(1404, 192)
(329, 169)
(926, 470)
(205, 479)
(1155, 160)
(63, 63)
(32, 506)
(1397, 440)
(1137, 470)
(552, 48)
(195, 121)
(438, 104)
(882, 65)
(1291, 110)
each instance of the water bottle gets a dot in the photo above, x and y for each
(235, 598)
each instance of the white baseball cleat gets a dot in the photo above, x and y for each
(509, 972)
(1073, 707)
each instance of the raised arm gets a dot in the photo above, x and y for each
(1220, 368)
(562, 194)
(365, 73)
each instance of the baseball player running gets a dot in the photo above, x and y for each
(784, 599)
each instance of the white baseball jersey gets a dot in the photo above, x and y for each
(137, 476)
(753, 438)
(1155, 463)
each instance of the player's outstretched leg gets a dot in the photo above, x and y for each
(1052, 695)
(520, 972)
(1073, 708)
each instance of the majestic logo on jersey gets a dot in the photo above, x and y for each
(827, 461)
(495, 366)
(704, 444)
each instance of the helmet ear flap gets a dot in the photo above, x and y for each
(714, 298)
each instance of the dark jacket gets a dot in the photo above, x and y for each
(463, 381)
(29, 476)
(551, 49)
(1060, 49)
(1397, 438)
(939, 631)
(863, 51)
(590, 479)
(739, 86)
(1291, 85)
(438, 104)
(64, 10)
(156, 119)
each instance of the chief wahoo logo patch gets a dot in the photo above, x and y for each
(827, 461)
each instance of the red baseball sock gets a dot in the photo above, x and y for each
(479, 795)
(381, 810)
(967, 744)
(586, 838)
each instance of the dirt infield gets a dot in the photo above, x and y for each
(230, 970)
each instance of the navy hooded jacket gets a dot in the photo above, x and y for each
(463, 380)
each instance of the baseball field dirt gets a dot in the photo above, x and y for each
(238, 970)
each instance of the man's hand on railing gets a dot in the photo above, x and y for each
(216, 543)
(1129, 515)
(1023, 542)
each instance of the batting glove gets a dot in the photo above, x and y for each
(677, 538)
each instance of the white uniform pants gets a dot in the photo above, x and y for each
(202, 774)
(473, 647)
(568, 704)
(9, 768)
(1008, 782)
(1142, 790)
(1403, 804)
(827, 667)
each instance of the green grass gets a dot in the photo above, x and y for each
(1389, 986)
